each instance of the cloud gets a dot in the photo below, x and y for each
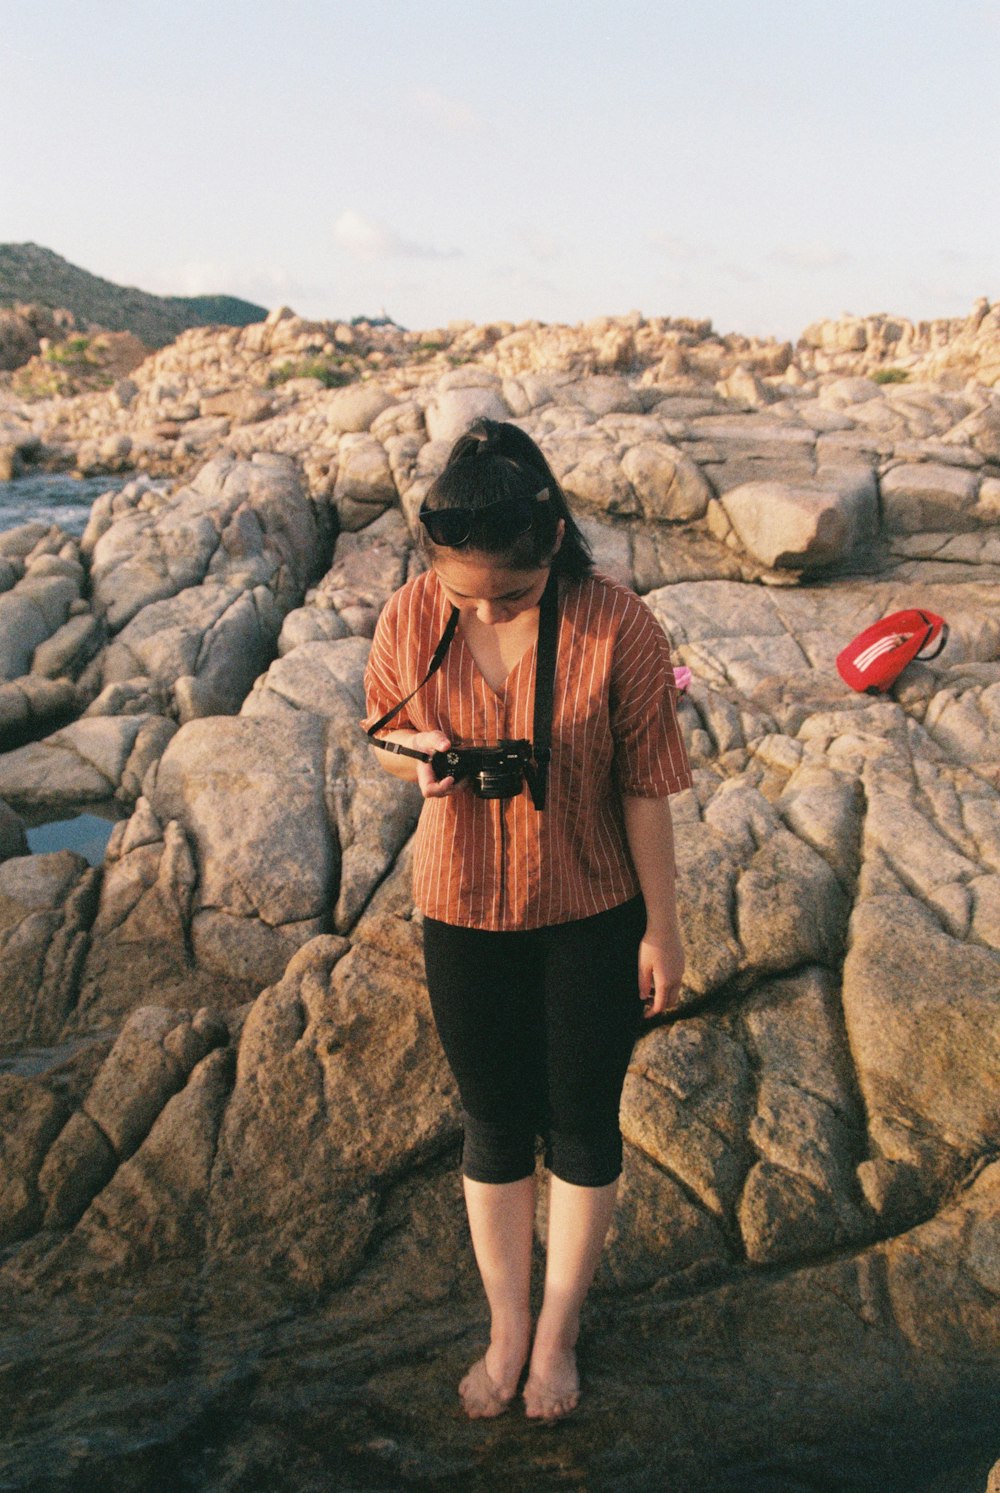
(810, 256)
(265, 285)
(453, 113)
(365, 239)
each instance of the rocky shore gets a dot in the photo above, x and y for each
(232, 1233)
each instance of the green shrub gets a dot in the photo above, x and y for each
(73, 350)
(330, 371)
(890, 376)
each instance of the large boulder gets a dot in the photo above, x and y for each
(30, 613)
(928, 496)
(461, 397)
(47, 905)
(89, 761)
(238, 523)
(806, 525)
(667, 483)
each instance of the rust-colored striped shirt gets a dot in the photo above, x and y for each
(500, 864)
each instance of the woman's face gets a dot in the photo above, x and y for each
(478, 585)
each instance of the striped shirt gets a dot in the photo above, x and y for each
(499, 864)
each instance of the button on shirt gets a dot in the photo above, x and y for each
(499, 864)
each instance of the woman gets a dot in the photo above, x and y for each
(548, 931)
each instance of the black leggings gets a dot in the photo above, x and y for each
(538, 1027)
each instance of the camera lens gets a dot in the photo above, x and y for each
(498, 782)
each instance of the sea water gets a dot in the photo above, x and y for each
(52, 498)
(59, 498)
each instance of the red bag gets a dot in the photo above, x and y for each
(877, 656)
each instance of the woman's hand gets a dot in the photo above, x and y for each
(409, 769)
(661, 970)
(430, 742)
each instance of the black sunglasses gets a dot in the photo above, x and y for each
(504, 521)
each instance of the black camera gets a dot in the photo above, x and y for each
(493, 771)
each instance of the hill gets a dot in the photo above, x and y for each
(32, 274)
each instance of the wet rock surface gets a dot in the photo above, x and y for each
(234, 1252)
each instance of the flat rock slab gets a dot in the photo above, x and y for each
(84, 763)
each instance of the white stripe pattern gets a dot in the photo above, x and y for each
(499, 864)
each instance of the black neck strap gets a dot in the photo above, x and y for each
(545, 677)
(536, 771)
(436, 662)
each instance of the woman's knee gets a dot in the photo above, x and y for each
(586, 1157)
(497, 1152)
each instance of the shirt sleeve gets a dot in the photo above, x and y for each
(383, 688)
(650, 757)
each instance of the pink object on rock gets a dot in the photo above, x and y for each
(682, 677)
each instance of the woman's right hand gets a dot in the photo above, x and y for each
(430, 742)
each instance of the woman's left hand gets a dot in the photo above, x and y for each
(661, 970)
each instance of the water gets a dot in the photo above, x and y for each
(86, 833)
(52, 498)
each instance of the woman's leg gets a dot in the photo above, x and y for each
(501, 1222)
(593, 1015)
(485, 995)
(578, 1224)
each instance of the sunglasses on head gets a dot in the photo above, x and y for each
(504, 520)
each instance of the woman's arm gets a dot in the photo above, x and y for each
(650, 833)
(409, 769)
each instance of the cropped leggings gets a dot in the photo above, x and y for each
(538, 1026)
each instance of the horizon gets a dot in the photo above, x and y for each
(761, 169)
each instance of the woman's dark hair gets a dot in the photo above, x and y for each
(494, 461)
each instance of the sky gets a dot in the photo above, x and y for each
(763, 163)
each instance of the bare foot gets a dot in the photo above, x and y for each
(553, 1388)
(482, 1398)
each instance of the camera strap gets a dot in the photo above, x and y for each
(536, 772)
(436, 662)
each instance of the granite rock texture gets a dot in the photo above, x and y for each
(226, 1118)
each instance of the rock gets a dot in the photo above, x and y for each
(685, 1107)
(355, 408)
(251, 797)
(85, 762)
(149, 1062)
(29, 703)
(371, 814)
(590, 472)
(243, 406)
(363, 477)
(311, 624)
(367, 567)
(31, 1119)
(29, 614)
(223, 636)
(743, 387)
(13, 840)
(69, 648)
(783, 1216)
(802, 526)
(922, 1026)
(929, 496)
(341, 1085)
(605, 394)
(47, 904)
(452, 410)
(153, 1208)
(658, 1234)
(667, 483)
(241, 523)
(774, 1127)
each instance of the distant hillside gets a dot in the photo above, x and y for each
(29, 273)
